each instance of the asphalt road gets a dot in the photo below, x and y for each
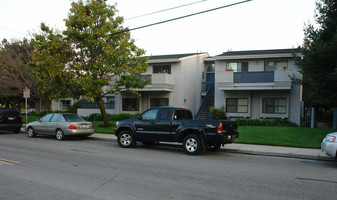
(44, 168)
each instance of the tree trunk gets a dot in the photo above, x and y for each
(103, 112)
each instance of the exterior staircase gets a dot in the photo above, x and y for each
(205, 114)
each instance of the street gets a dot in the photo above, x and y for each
(44, 168)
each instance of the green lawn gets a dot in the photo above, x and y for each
(98, 125)
(282, 136)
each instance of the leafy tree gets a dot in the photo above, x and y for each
(94, 56)
(15, 72)
(319, 61)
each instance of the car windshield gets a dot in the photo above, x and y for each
(73, 118)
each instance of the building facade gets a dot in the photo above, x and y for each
(176, 80)
(248, 84)
(258, 84)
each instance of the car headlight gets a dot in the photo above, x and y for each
(117, 123)
(330, 139)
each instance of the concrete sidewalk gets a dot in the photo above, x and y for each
(263, 150)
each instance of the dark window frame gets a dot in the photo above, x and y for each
(161, 69)
(241, 66)
(134, 105)
(276, 107)
(275, 64)
(236, 105)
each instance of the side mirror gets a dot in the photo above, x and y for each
(139, 117)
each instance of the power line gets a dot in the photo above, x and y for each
(166, 9)
(177, 18)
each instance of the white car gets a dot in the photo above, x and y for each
(329, 145)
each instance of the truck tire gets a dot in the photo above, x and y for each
(125, 139)
(213, 147)
(192, 144)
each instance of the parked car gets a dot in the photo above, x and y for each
(30, 111)
(176, 124)
(329, 145)
(60, 125)
(10, 119)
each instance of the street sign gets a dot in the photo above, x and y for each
(26, 93)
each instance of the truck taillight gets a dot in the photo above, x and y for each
(219, 130)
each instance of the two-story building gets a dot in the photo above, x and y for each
(258, 84)
(248, 84)
(176, 80)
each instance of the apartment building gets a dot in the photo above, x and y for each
(248, 84)
(258, 84)
(176, 80)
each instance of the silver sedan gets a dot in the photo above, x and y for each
(60, 125)
(329, 145)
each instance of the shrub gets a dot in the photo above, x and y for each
(218, 113)
(265, 122)
(111, 117)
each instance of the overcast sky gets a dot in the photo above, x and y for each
(255, 25)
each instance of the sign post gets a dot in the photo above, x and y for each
(26, 95)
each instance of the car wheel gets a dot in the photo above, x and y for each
(192, 144)
(213, 147)
(125, 139)
(30, 132)
(59, 134)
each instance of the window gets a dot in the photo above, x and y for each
(150, 114)
(65, 104)
(164, 114)
(56, 118)
(157, 102)
(275, 65)
(237, 67)
(183, 114)
(236, 105)
(130, 104)
(73, 118)
(46, 118)
(211, 68)
(166, 69)
(274, 105)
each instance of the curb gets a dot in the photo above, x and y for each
(247, 152)
(282, 155)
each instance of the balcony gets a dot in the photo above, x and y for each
(159, 82)
(255, 80)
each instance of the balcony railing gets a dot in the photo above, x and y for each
(254, 77)
(159, 81)
(255, 80)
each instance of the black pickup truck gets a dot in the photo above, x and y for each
(176, 124)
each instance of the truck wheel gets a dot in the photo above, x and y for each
(213, 147)
(192, 144)
(125, 139)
